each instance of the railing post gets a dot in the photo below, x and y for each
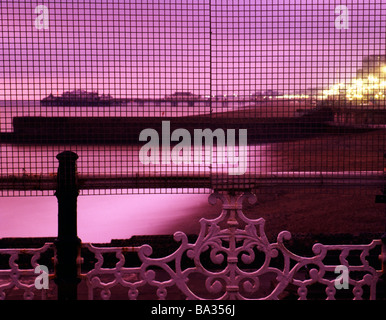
(382, 198)
(383, 254)
(67, 243)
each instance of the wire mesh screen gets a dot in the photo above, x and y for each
(187, 96)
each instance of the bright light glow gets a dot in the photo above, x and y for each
(294, 96)
(367, 89)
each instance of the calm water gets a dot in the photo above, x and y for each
(105, 217)
(102, 217)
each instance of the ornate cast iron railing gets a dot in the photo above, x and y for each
(17, 278)
(232, 258)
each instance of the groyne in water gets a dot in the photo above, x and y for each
(117, 130)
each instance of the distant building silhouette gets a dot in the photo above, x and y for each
(373, 65)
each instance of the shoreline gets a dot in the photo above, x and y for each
(317, 210)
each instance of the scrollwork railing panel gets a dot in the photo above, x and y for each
(232, 258)
(20, 282)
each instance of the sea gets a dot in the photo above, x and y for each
(114, 215)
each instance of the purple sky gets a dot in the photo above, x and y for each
(137, 48)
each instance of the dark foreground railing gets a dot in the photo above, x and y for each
(231, 258)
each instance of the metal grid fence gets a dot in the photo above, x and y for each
(233, 94)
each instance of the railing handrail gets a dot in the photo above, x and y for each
(156, 180)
